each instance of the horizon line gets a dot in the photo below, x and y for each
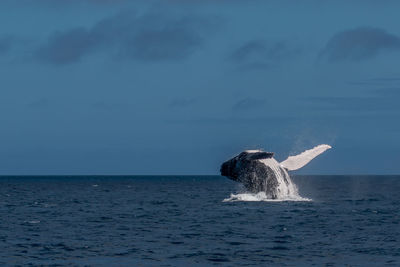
(168, 175)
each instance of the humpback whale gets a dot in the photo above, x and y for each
(258, 171)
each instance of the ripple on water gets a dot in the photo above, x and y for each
(183, 222)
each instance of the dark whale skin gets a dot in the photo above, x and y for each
(253, 174)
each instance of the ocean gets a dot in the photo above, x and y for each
(194, 221)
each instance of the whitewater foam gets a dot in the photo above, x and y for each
(261, 196)
(286, 190)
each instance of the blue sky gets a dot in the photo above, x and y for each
(178, 87)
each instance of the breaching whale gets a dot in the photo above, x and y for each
(258, 171)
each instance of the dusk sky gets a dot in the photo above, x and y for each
(178, 87)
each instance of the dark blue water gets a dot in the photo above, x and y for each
(182, 221)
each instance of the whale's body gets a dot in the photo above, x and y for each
(258, 171)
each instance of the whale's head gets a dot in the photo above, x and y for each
(232, 168)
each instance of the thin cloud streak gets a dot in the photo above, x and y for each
(259, 54)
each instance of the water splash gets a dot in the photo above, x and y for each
(261, 196)
(281, 188)
(286, 190)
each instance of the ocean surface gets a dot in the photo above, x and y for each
(184, 221)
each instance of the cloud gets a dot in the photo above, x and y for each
(248, 104)
(164, 44)
(390, 91)
(5, 44)
(386, 79)
(108, 106)
(353, 104)
(152, 37)
(249, 50)
(258, 54)
(182, 102)
(379, 81)
(234, 121)
(52, 3)
(69, 46)
(359, 44)
(39, 104)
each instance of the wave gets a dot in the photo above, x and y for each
(261, 196)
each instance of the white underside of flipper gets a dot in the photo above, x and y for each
(296, 162)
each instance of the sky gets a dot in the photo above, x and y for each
(180, 86)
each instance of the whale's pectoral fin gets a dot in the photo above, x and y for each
(296, 162)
